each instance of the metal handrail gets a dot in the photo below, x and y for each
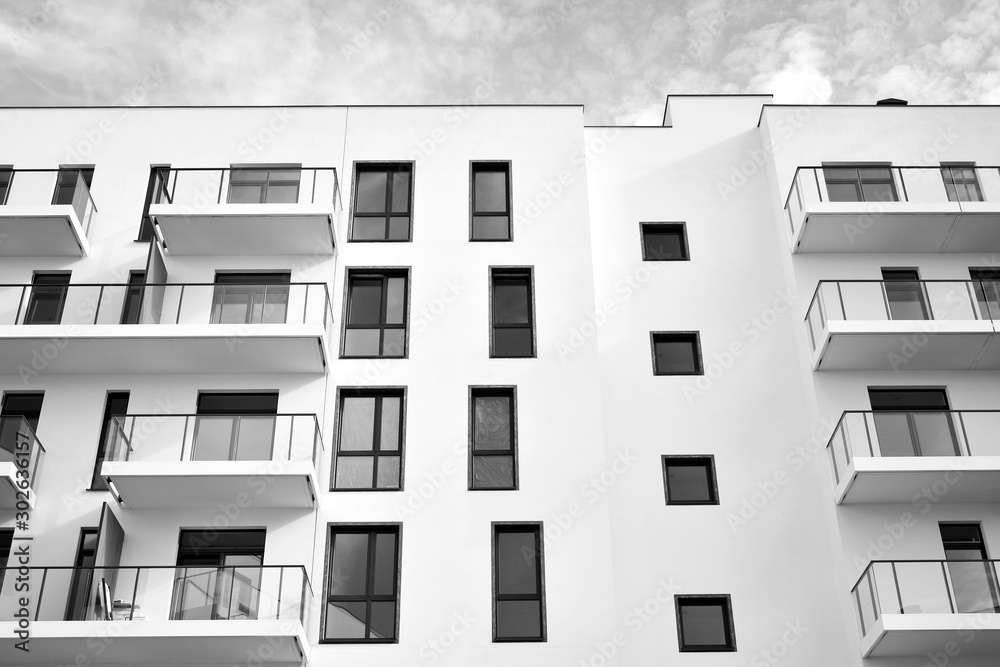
(916, 560)
(169, 191)
(819, 285)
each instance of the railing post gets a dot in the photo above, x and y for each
(184, 437)
(305, 303)
(41, 592)
(100, 300)
(135, 594)
(965, 435)
(20, 305)
(895, 581)
(948, 588)
(281, 583)
(222, 174)
(819, 190)
(312, 196)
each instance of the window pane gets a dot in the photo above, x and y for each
(516, 560)
(491, 192)
(510, 301)
(840, 173)
(675, 356)
(383, 620)
(688, 483)
(512, 342)
(395, 300)
(284, 193)
(935, 434)
(878, 192)
(361, 342)
(213, 437)
(843, 191)
(393, 342)
(492, 423)
(371, 192)
(894, 438)
(349, 565)
(519, 618)
(345, 620)
(368, 229)
(388, 472)
(385, 563)
(399, 228)
(357, 431)
(663, 244)
(875, 174)
(254, 438)
(390, 423)
(245, 194)
(401, 192)
(493, 472)
(275, 304)
(703, 625)
(490, 228)
(354, 472)
(366, 301)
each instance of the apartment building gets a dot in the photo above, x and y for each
(484, 385)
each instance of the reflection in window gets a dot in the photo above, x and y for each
(375, 325)
(493, 459)
(369, 448)
(264, 186)
(362, 596)
(250, 298)
(860, 183)
(382, 199)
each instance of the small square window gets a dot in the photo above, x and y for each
(676, 353)
(705, 623)
(491, 202)
(690, 480)
(664, 241)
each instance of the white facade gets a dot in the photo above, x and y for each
(784, 541)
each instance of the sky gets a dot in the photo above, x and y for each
(619, 58)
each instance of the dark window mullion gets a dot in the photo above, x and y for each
(377, 438)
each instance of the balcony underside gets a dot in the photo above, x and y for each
(902, 479)
(29, 350)
(9, 488)
(900, 227)
(928, 634)
(161, 643)
(246, 229)
(41, 231)
(189, 484)
(896, 346)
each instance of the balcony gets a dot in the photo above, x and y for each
(160, 615)
(20, 454)
(905, 325)
(164, 328)
(246, 210)
(895, 457)
(915, 608)
(44, 213)
(156, 461)
(883, 208)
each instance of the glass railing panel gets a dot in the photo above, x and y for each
(975, 586)
(863, 300)
(883, 581)
(988, 179)
(254, 438)
(922, 588)
(297, 438)
(893, 436)
(32, 188)
(935, 434)
(921, 185)
(981, 430)
(951, 301)
(864, 598)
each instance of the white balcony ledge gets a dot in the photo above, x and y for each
(42, 230)
(905, 479)
(900, 635)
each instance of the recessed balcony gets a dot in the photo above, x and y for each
(160, 615)
(916, 608)
(175, 461)
(897, 456)
(164, 328)
(256, 210)
(885, 208)
(44, 213)
(905, 325)
(20, 455)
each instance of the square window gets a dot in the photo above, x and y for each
(676, 353)
(664, 241)
(512, 313)
(383, 201)
(376, 314)
(492, 431)
(705, 623)
(518, 583)
(362, 584)
(690, 480)
(369, 440)
(491, 201)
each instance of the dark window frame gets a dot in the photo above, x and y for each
(156, 189)
(371, 528)
(682, 233)
(379, 392)
(538, 528)
(979, 546)
(6, 178)
(727, 618)
(391, 166)
(383, 272)
(691, 460)
(97, 482)
(48, 291)
(489, 166)
(694, 336)
(493, 390)
(512, 272)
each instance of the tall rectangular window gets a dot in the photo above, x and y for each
(513, 329)
(362, 584)
(904, 294)
(219, 575)
(960, 182)
(676, 353)
(132, 303)
(986, 284)
(491, 201)
(493, 446)
(115, 405)
(383, 196)
(156, 193)
(518, 583)
(369, 440)
(257, 185)
(860, 183)
(47, 298)
(375, 321)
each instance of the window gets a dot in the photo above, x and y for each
(115, 405)
(904, 294)
(518, 583)
(132, 303)
(961, 183)
(6, 176)
(362, 584)
(72, 185)
(987, 287)
(676, 353)
(513, 331)
(27, 405)
(375, 322)
(370, 440)
(48, 296)
(218, 575)
(262, 185)
(156, 193)
(250, 298)
(690, 480)
(972, 575)
(382, 202)
(493, 443)
(664, 241)
(705, 623)
(234, 427)
(860, 183)
(914, 422)
(491, 201)
(78, 604)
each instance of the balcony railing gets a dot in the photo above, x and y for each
(913, 433)
(200, 187)
(159, 593)
(238, 437)
(48, 187)
(19, 445)
(925, 587)
(885, 300)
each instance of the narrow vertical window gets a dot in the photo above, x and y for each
(513, 329)
(961, 182)
(383, 196)
(518, 583)
(493, 450)
(370, 440)
(375, 322)
(362, 585)
(47, 298)
(116, 405)
(156, 193)
(491, 201)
